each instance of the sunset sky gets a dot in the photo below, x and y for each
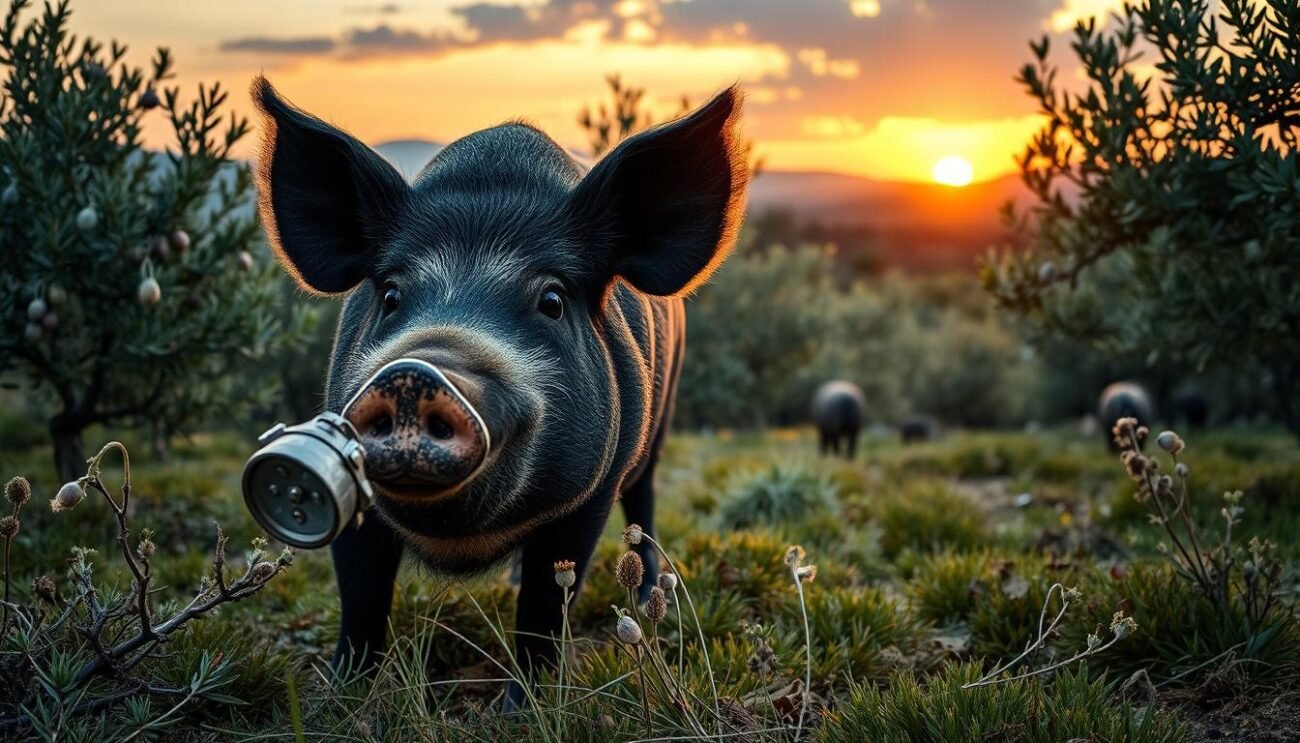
(882, 88)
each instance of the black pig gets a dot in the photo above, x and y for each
(547, 300)
(916, 428)
(1122, 400)
(837, 411)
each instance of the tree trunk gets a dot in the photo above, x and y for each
(69, 453)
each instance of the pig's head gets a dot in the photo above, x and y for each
(477, 300)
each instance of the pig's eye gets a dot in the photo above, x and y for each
(392, 298)
(551, 304)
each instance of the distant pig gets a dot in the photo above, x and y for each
(522, 320)
(838, 410)
(916, 428)
(1122, 400)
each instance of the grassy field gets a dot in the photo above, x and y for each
(933, 563)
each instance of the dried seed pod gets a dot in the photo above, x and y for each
(656, 607)
(628, 630)
(630, 571)
(18, 491)
(564, 575)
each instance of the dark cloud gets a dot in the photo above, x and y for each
(949, 59)
(380, 9)
(384, 39)
(280, 45)
(493, 22)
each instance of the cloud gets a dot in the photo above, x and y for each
(380, 9)
(299, 45)
(1072, 12)
(384, 39)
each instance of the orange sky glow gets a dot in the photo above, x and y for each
(878, 88)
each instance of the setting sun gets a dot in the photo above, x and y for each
(953, 170)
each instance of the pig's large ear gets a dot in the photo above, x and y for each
(325, 198)
(664, 206)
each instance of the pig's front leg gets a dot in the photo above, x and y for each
(539, 616)
(366, 560)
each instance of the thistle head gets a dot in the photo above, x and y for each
(630, 571)
(668, 581)
(564, 574)
(18, 491)
(633, 534)
(656, 607)
(794, 556)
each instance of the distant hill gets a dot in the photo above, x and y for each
(409, 156)
(915, 226)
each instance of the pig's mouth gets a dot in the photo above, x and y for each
(423, 438)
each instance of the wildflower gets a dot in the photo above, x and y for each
(1123, 431)
(794, 556)
(1122, 626)
(629, 570)
(806, 573)
(44, 589)
(1182, 470)
(1072, 594)
(633, 533)
(668, 582)
(1233, 498)
(1135, 463)
(259, 544)
(628, 631)
(1165, 485)
(1170, 442)
(286, 558)
(68, 497)
(1093, 640)
(762, 662)
(146, 546)
(564, 575)
(8, 527)
(18, 491)
(656, 607)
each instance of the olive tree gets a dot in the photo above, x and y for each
(1167, 213)
(131, 292)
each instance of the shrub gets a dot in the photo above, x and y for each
(1164, 222)
(927, 516)
(136, 296)
(70, 652)
(946, 584)
(779, 495)
(1183, 639)
(1072, 707)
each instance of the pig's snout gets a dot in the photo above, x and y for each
(422, 437)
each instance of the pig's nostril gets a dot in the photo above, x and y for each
(382, 427)
(439, 428)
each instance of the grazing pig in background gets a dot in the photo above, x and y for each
(543, 308)
(916, 428)
(838, 411)
(1122, 400)
(1192, 410)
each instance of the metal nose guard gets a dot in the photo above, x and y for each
(308, 482)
